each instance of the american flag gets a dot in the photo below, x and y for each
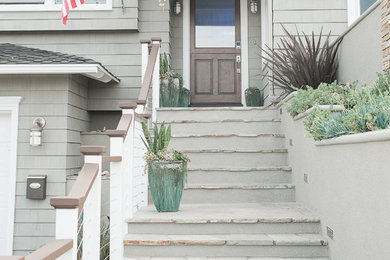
(67, 5)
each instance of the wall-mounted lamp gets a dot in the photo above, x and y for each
(36, 131)
(253, 5)
(177, 7)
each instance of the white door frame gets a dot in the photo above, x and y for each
(244, 46)
(11, 105)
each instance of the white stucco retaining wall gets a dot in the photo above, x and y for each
(348, 184)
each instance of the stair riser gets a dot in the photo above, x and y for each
(216, 115)
(231, 228)
(230, 143)
(199, 196)
(238, 178)
(224, 250)
(236, 160)
(225, 128)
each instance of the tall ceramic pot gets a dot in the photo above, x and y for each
(166, 182)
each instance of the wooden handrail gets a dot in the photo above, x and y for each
(52, 250)
(80, 189)
(143, 95)
(122, 128)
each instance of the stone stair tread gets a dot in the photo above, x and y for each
(221, 121)
(229, 213)
(241, 187)
(228, 135)
(226, 239)
(235, 151)
(248, 169)
(225, 258)
(214, 108)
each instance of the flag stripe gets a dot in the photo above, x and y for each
(68, 5)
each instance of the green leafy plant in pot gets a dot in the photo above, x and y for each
(166, 169)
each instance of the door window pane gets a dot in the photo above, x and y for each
(215, 23)
(365, 4)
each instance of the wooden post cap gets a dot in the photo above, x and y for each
(128, 105)
(93, 150)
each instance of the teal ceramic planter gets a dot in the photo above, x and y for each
(166, 181)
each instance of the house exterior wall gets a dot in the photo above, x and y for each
(307, 16)
(119, 18)
(117, 49)
(60, 99)
(360, 54)
(385, 33)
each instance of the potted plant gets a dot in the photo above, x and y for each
(253, 97)
(172, 92)
(166, 169)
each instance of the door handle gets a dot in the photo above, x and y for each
(238, 58)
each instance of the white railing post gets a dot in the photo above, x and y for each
(92, 210)
(156, 81)
(145, 57)
(67, 228)
(120, 186)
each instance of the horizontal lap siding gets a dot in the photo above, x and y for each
(116, 19)
(119, 51)
(307, 16)
(62, 101)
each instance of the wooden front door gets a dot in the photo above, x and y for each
(215, 52)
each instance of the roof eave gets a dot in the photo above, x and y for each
(94, 70)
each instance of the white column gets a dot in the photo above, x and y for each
(118, 227)
(156, 84)
(145, 57)
(66, 228)
(92, 214)
(120, 189)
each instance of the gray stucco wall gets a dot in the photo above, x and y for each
(347, 187)
(360, 54)
(61, 100)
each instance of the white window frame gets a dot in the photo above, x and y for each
(50, 5)
(353, 11)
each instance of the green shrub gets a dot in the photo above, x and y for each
(372, 112)
(325, 94)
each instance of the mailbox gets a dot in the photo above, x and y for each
(36, 187)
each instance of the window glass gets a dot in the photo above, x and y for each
(215, 23)
(85, 1)
(21, 2)
(365, 4)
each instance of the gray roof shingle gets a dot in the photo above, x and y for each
(16, 54)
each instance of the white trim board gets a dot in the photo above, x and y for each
(244, 46)
(11, 105)
(94, 71)
(50, 5)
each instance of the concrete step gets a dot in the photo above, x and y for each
(228, 142)
(236, 159)
(224, 258)
(266, 245)
(216, 113)
(220, 193)
(244, 176)
(238, 126)
(209, 219)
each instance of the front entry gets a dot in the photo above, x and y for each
(215, 53)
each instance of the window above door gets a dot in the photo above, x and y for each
(358, 7)
(51, 5)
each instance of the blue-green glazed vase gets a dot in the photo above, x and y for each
(166, 182)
